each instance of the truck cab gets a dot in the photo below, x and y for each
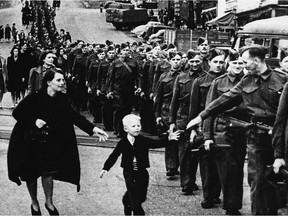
(271, 33)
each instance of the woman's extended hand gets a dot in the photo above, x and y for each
(100, 133)
(40, 123)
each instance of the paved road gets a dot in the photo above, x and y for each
(88, 24)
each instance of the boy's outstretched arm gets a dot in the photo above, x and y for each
(103, 172)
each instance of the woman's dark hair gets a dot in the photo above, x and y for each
(43, 56)
(12, 50)
(49, 76)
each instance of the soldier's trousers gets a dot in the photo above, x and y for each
(260, 154)
(209, 176)
(188, 164)
(148, 119)
(107, 113)
(230, 164)
(172, 156)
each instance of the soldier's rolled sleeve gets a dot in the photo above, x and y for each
(278, 133)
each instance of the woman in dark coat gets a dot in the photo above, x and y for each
(54, 154)
(14, 82)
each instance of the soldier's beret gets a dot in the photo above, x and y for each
(233, 55)
(200, 40)
(110, 48)
(192, 53)
(215, 52)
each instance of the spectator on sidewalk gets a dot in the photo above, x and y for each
(3, 77)
(7, 33)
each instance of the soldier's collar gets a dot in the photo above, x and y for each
(232, 77)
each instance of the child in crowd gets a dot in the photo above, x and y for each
(134, 149)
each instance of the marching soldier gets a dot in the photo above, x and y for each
(178, 119)
(163, 101)
(208, 170)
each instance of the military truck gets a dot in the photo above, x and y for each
(125, 15)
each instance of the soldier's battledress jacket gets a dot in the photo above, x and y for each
(179, 108)
(259, 93)
(199, 90)
(92, 74)
(162, 67)
(218, 87)
(147, 80)
(102, 74)
(80, 67)
(164, 94)
(122, 82)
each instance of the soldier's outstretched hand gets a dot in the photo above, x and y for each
(102, 173)
(194, 122)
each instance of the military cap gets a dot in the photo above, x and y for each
(201, 40)
(215, 52)
(192, 53)
(233, 55)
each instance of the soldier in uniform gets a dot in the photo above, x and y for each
(260, 92)
(163, 101)
(146, 109)
(178, 119)
(102, 77)
(219, 130)
(92, 83)
(208, 170)
(123, 80)
(79, 77)
(203, 47)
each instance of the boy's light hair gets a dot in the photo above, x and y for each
(130, 117)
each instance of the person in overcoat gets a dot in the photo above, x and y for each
(14, 81)
(3, 77)
(43, 141)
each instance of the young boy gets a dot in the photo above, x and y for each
(135, 160)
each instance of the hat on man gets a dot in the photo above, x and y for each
(215, 52)
(233, 55)
(192, 53)
(200, 40)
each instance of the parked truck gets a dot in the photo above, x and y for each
(125, 15)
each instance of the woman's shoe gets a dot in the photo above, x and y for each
(52, 212)
(34, 212)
